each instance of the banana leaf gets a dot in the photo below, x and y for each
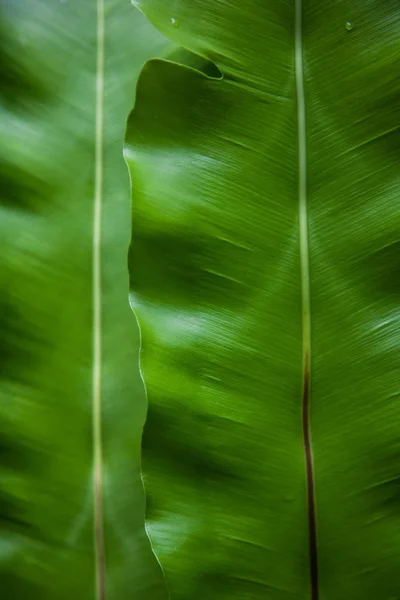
(264, 273)
(72, 403)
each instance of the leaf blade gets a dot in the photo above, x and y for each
(196, 190)
(46, 473)
(208, 325)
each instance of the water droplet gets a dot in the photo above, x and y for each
(349, 25)
(174, 22)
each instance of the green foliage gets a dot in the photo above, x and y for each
(226, 276)
(263, 158)
(48, 53)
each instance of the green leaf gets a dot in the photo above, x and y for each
(264, 274)
(67, 88)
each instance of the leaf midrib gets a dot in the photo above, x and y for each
(97, 316)
(305, 294)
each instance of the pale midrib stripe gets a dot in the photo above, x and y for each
(302, 190)
(305, 293)
(97, 316)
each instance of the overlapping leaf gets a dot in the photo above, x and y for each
(216, 284)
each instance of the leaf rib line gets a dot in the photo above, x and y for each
(312, 530)
(305, 294)
(97, 313)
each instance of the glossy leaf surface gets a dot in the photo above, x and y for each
(52, 89)
(265, 252)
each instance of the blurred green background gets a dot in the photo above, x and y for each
(47, 156)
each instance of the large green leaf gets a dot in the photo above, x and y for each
(264, 274)
(63, 114)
